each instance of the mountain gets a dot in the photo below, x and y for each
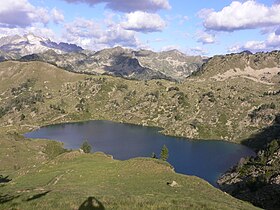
(259, 66)
(234, 97)
(36, 93)
(127, 63)
(30, 44)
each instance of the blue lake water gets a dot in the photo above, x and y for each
(205, 159)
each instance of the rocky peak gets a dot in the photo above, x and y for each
(30, 44)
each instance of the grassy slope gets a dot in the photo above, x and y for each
(68, 180)
(199, 107)
(42, 181)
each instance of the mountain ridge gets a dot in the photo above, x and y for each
(117, 61)
(30, 44)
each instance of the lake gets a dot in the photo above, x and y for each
(205, 159)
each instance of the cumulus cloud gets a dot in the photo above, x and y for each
(22, 14)
(37, 30)
(81, 27)
(180, 18)
(128, 5)
(198, 51)
(91, 35)
(143, 22)
(205, 38)
(57, 15)
(171, 47)
(241, 15)
(118, 36)
(271, 43)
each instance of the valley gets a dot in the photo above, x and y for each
(210, 104)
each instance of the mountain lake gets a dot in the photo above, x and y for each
(205, 159)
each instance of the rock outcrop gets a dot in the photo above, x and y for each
(256, 179)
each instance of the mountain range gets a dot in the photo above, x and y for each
(232, 97)
(128, 63)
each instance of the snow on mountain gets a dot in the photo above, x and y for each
(30, 44)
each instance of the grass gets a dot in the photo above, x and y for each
(169, 105)
(66, 181)
(45, 178)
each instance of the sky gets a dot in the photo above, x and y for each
(194, 27)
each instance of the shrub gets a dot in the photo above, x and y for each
(164, 153)
(86, 147)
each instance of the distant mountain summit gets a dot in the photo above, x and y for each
(117, 61)
(31, 44)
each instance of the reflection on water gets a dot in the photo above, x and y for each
(205, 159)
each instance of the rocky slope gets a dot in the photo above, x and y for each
(256, 179)
(235, 109)
(214, 104)
(259, 67)
(141, 65)
(29, 44)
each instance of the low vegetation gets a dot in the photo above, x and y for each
(164, 153)
(71, 179)
(199, 107)
(86, 147)
(43, 174)
(256, 179)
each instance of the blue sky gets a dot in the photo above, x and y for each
(193, 27)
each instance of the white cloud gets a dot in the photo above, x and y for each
(81, 27)
(129, 5)
(90, 35)
(205, 38)
(21, 13)
(184, 19)
(180, 18)
(171, 47)
(273, 40)
(271, 43)
(241, 15)
(143, 22)
(255, 45)
(36, 30)
(198, 51)
(116, 35)
(57, 15)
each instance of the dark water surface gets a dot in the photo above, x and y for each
(205, 159)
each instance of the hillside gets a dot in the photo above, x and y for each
(257, 179)
(44, 179)
(243, 108)
(117, 61)
(140, 65)
(234, 109)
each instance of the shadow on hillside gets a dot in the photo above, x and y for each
(38, 196)
(4, 179)
(91, 203)
(262, 195)
(6, 198)
(265, 136)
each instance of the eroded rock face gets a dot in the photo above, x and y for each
(257, 179)
(221, 67)
(118, 61)
(141, 65)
